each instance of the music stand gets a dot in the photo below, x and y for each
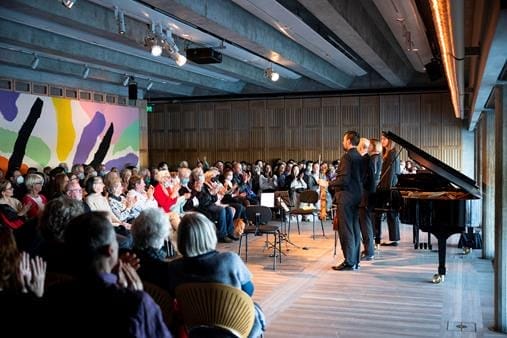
(281, 201)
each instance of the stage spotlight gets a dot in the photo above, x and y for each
(156, 49)
(35, 62)
(150, 84)
(120, 20)
(271, 74)
(179, 58)
(86, 72)
(69, 3)
(126, 81)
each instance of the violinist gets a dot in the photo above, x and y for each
(348, 189)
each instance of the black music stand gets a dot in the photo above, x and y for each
(281, 200)
(259, 216)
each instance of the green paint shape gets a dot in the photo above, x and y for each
(36, 148)
(129, 138)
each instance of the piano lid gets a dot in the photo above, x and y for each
(436, 166)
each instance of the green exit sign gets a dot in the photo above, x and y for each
(149, 108)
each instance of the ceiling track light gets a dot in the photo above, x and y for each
(180, 59)
(86, 72)
(126, 81)
(271, 74)
(120, 20)
(69, 3)
(158, 40)
(155, 39)
(35, 62)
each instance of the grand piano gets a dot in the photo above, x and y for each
(435, 200)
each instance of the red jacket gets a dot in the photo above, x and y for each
(164, 201)
(34, 210)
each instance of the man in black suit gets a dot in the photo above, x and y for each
(348, 190)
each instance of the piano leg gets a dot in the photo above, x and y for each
(416, 226)
(442, 248)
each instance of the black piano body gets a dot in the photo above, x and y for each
(435, 200)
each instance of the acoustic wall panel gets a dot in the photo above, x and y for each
(257, 113)
(206, 116)
(293, 113)
(223, 115)
(301, 128)
(312, 113)
(349, 113)
(390, 113)
(171, 118)
(369, 117)
(240, 119)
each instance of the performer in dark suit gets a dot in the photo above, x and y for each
(348, 189)
(365, 209)
(388, 179)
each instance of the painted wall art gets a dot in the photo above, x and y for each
(38, 131)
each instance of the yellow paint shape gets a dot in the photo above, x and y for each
(66, 134)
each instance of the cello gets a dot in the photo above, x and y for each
(323, 193)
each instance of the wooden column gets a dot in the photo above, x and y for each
(488, 206)
(501, 209)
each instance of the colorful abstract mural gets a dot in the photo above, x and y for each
(38, 131)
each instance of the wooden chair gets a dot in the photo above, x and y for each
(164, 300)
(259, 216)
(310, 197)
(215, 310)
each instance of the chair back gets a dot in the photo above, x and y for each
(164, 300)
(308, 196)
(258, 214)
(214, 305)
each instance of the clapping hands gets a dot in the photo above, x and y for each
(128, 277)
(32, 274)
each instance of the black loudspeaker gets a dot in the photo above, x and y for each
(132, 90)
(434, 70)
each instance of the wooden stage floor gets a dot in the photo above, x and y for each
(391, 296)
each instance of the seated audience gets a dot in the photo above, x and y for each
(144, 198)
(106, 295)
(54, 219)
(122, 207)
(150, 230)
(34, 198)
(12, 212)
(21, 286)
(201, 262)
(74, 191)
(97, 202)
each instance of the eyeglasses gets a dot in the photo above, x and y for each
(9, 188)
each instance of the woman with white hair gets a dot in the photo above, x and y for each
(150, 230)
(34, 198)
(197, 241)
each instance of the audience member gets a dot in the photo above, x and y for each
(201, 262)
(106, 295)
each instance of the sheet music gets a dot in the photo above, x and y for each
(268, 199)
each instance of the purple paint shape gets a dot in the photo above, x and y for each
(122, 162)
(89, 137)
(8, 105)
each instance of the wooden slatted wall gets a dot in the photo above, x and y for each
(300, 128)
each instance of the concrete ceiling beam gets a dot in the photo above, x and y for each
(233, 23)
(361, 27)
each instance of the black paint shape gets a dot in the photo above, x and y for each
(18, 153)
(101, 153)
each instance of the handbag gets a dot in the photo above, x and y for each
(239, 227)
